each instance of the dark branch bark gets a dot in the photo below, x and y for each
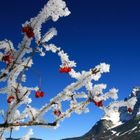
(30, 123)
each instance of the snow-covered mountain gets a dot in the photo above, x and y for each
(128, 126)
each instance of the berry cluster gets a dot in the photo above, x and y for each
(28, 31)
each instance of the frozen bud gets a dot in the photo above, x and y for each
(49, 35)
(113, 93)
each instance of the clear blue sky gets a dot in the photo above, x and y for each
(96, 31)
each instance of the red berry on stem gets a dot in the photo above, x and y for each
(7, 58)
(30, 34)
(68, 69)
(10, 99)
(64, 69)
(99, 104)
(129, 110)
(57, 113)
(28, 31)
(39, 94)
(25, 29)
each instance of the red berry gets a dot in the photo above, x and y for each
(99, 104)
(65, 69)
(25, 29)
(28, 31)
(39, 94)
(129, 110)
(68, 69)
(57, 113)
(10, 99)
(7, 58)
(30, 34)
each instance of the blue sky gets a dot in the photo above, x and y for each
(96, 31)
